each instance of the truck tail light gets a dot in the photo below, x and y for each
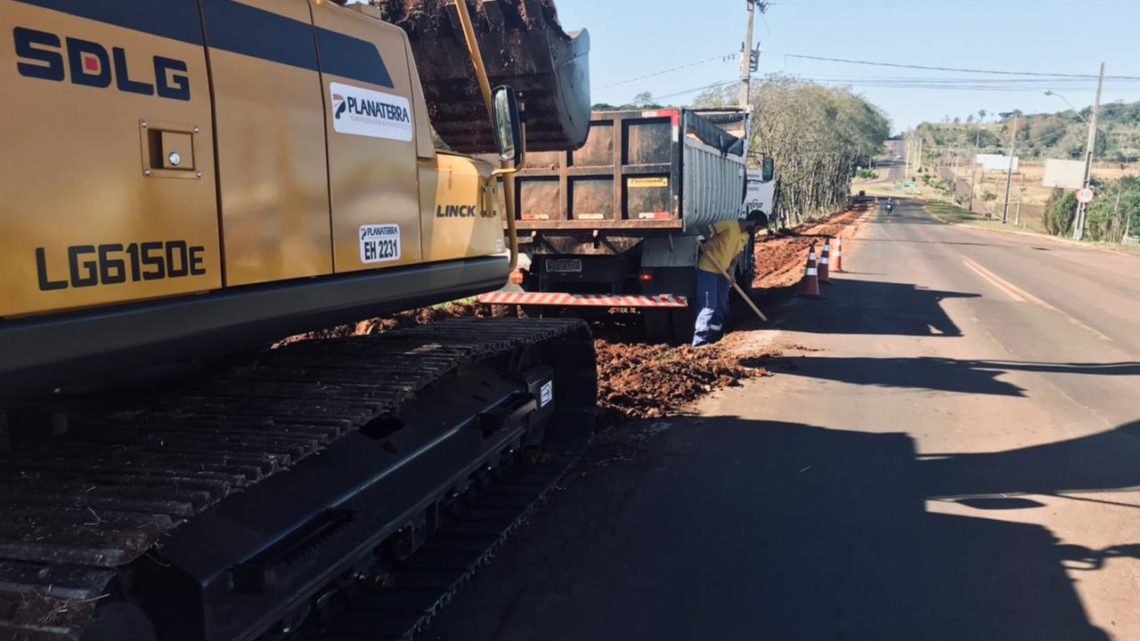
(517, 276)
(645, 277)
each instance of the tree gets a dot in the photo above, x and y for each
(817, 136)
(643, 99)
(981, 115)
(1117, 202)
(957, 120)
(1060, 210)
(970, 119)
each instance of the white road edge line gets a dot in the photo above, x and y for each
(1022, 296)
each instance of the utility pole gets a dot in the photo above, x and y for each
(1090, 150)
(749, 58)
(1009, 174)
(1017, 216)
(974, 168)
(1116, 211)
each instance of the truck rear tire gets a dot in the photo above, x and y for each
(658, 325)
(683, 321)
(673, 326)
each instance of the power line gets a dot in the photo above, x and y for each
(696, 89)
(958, 80)
(898, 65)
(696, 63)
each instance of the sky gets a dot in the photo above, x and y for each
(635, 38)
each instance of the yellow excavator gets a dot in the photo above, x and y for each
(185, 184)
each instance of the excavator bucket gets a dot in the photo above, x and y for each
(523, 46)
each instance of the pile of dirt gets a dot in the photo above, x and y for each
(637, 381)
(410, 318)
(780, 258)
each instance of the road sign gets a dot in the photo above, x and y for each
(1085, 196)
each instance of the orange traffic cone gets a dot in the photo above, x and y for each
(839, 255)
(810, 287)
(825, 263)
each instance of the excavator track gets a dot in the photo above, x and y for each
(332, 489)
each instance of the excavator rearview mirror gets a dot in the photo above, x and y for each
(508, 125)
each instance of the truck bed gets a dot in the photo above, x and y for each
(669, 170)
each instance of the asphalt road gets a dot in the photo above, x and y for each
(893, 169)
(951, 452)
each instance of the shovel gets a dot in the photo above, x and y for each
(724, 272)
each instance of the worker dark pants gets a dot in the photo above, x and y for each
(712, 296)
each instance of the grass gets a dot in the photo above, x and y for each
(955, 215)
(950, 213)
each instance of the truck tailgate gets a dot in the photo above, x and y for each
(666, 169)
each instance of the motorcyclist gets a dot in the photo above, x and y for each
(890, 205)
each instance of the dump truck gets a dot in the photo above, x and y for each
(187, 185)
(615, 223)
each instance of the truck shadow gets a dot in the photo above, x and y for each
(963, 376)
(744, 529)
(875, 307)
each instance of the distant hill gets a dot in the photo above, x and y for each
(1048, 135)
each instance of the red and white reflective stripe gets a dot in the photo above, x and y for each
(811, 256)
(811, 271)
(582, 300)
(674, 115)
(823, 261)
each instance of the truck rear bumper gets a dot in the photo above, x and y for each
(557, 299)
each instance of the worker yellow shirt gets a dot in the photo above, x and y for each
(726, 244)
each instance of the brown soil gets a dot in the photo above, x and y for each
(431, 13)
(410, 318)
(653, 381)
(35, 609)
(780, 258)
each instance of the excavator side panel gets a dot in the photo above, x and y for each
(99, 100)
(460, 217)
(371, 134)
(271, 140)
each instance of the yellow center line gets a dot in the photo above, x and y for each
(1009, 289)
(1022, 296)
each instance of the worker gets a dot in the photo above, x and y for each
(723, 244)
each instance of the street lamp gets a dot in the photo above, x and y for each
(1090, 149)
(1050, 92)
